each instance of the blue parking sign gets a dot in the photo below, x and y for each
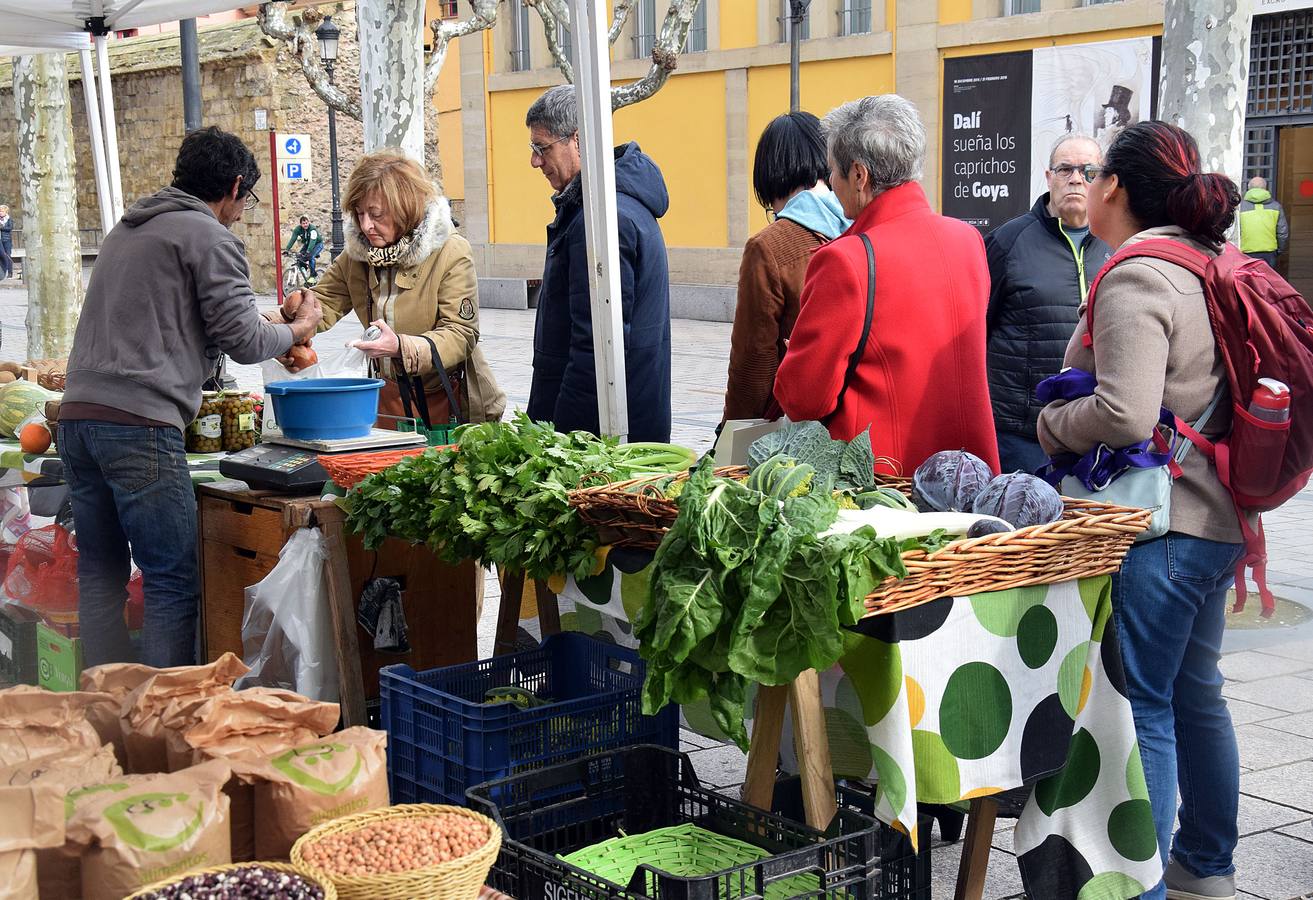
(293, 170)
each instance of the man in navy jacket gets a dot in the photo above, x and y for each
(564, 389)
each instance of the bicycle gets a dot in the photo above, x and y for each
(297, 275)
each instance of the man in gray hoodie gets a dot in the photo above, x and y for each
(169, 294)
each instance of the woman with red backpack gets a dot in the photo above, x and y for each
(1150, 346)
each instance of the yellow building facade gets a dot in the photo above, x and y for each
(701, 128)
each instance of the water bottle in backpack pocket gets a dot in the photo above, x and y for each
(1258, 436)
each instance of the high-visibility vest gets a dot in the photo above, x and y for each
(1258, 229)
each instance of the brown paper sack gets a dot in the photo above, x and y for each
(299, 788)
(250, 725)
(170, 693)
(31, 817)
(153, 829)
(59, 869)
(119, 679)
(257, 717)
(53, 728)
(101, 709)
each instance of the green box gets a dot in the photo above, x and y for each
(58, 659)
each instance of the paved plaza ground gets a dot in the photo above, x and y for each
(1269, 669)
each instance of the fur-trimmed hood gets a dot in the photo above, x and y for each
(430, 235)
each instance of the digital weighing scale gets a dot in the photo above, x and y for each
(290, 466)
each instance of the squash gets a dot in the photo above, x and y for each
(34, 438)
(20, 401)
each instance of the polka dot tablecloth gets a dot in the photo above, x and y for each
(970, 696)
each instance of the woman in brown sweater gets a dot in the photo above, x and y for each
(788, 176)
(1151, 346)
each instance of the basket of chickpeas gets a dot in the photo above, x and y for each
(403, 852)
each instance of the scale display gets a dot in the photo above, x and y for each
(276, 468)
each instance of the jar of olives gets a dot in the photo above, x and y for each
(205, 435)
(238, 427)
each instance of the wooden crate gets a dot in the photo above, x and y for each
(241, 533)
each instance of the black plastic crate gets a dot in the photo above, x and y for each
(444, 739)
(18, 644)
(567, 807)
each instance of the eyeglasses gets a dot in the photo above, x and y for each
(1088, 172)
(252, 201)
(541, 149)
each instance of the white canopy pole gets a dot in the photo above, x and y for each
(110, 128)
(592, 71)
(97, 143)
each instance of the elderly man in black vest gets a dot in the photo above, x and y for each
(1040, 267)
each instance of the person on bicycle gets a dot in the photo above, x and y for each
(312, 242)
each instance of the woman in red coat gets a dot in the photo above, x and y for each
(920, 382)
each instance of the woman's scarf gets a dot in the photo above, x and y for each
(389, 256)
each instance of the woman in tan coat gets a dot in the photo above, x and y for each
(406, 271)
(788, 175)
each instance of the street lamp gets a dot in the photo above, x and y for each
(328, 34)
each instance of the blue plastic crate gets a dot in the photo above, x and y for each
(443, 739)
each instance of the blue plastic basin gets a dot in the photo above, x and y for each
(319, 409)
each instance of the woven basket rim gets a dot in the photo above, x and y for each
(356, 821)
(324, 884)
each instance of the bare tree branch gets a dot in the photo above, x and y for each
(299, 35)
(483, 15)
(619, 15)
(665, 55)
(554, 14)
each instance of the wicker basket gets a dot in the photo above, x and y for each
(637, 514)
(1090, 539)
(459, 879)
(330, 892)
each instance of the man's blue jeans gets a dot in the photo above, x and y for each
(1169, 604)
(314, 256)
(1018, 453)
(132, 499)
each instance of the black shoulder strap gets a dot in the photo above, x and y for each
(858, 352)
(446, 380)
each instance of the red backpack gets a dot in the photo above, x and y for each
(1264, 329)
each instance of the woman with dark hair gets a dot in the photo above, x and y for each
(788, 176)
(1152, 346)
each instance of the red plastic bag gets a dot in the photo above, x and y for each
(42, 574)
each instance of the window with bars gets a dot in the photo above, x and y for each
(786, 22)
(1260, 152)
(646, 24)
(447, 9)
(519, 22)
(1281, 64)
(1020, 7)
(854, 17)
(697, 32)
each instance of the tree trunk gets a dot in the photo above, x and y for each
(52, 266)
(392, 75)
(1205, 77)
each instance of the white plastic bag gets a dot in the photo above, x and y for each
(287, 631)
(334, 362)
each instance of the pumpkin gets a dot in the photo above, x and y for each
(34, 438)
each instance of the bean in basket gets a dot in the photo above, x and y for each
(246, 881)
(397, 845)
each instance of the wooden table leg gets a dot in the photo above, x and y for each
(975, 849)
(813, 750)
(549, 611)
(764, 751)
(342, 609)
(508, 613)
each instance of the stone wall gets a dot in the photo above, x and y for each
(241, 71)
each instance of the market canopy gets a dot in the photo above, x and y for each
(42, 26)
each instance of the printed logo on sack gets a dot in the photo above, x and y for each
(334, 769)
(156, 822)
(72, 797)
